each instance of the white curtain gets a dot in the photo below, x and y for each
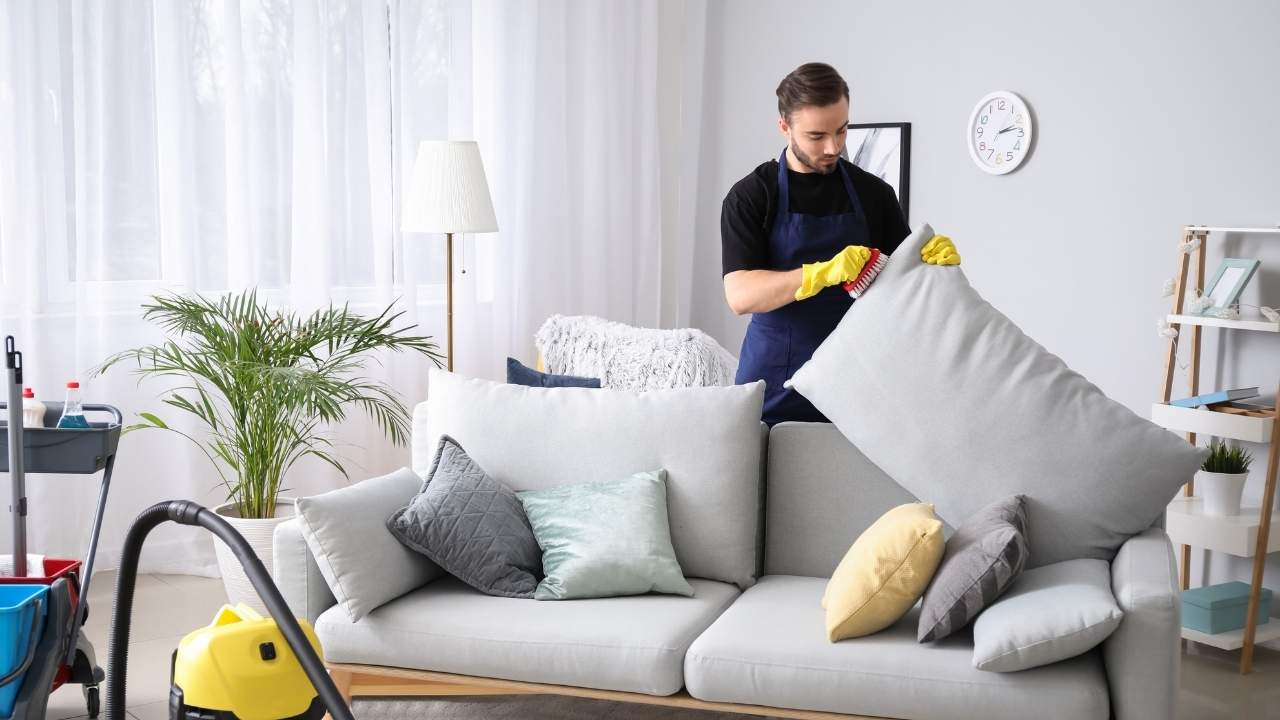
(213, 146)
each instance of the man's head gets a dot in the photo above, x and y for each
(813, 112)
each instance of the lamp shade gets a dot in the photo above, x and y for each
(448, 192)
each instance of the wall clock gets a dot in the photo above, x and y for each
(999, 132)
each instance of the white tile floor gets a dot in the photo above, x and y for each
(167, 607)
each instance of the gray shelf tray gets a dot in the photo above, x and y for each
(53, 450)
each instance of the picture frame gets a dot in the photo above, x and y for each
(1229, 280)
(884, 150)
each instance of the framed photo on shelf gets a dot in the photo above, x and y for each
(1224, 290)
(884, 150)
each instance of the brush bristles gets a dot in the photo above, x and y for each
(868, 274)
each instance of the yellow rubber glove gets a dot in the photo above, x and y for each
(940, 251)
(842, 268)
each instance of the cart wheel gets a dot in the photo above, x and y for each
(91, 700)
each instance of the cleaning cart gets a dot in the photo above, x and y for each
(42, 609)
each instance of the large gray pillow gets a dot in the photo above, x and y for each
(472, 526)
(961, 408)
(981, 561)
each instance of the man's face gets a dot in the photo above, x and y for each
(816, 135)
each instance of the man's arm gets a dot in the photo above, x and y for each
(753, 291)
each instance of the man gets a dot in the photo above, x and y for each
(795, 229)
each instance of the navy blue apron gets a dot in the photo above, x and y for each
(780, 341)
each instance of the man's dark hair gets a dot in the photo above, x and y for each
(815, 84)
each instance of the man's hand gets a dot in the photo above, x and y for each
(842, 268)
(940, 251)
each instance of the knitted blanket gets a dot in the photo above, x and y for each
(633, 358)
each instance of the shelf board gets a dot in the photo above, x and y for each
(1259, 325)
(1186, 524)
(1215, 228)
(1244, 426)
(1234, 639)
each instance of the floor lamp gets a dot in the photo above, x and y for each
(449, 194)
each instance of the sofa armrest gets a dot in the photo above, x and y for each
(296, 573)
(1144, 655)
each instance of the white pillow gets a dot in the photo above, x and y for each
(956, 404)
(364, 565)
(1051, 613)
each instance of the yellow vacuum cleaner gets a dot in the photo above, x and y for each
(242, 666)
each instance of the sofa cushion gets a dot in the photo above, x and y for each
(959, 406)
(633, 644)
(1051, 613)
(362, 562)
(822, 494)
(706, 438)
(981, 561)
(605, 538)
(471, 525)
(768, 649)
(884, 573)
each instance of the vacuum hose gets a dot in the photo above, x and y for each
(186, 512)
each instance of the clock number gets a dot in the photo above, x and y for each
(1008, 156)
(982, 146)
(984, 120)
(1017, 119)
(1017, 145)
(1021, 132)
(1002, 105)
(991, 153)
(979, 132)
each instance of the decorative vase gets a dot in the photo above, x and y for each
(259, 533)
(1221, 491)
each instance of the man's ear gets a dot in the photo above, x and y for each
(783, 127)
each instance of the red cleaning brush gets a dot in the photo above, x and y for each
(870, 270)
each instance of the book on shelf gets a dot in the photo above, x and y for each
(1213, 398)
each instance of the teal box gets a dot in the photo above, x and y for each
(1220, 608)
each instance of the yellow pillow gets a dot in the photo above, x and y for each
(884, 573)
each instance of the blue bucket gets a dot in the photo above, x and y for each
(18, 607)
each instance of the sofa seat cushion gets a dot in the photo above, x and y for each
(770, 648)
(633, 644)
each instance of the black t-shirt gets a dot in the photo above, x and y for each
(748, 211)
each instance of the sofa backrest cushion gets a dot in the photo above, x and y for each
(822, 493)
(708, 440)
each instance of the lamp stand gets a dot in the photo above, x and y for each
(449, 293)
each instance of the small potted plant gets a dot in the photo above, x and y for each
(1221, 478)
(262, 386)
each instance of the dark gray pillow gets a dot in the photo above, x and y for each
(471, 525)
(520, 374)
(980, 563)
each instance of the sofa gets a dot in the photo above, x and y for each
(783, 503)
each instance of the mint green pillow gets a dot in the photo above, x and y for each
(604, 539)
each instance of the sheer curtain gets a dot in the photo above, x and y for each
(211, 146)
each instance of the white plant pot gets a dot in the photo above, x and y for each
(259, 532)
(1221, 491)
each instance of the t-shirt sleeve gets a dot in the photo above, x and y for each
(743, 243)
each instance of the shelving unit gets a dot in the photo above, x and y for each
(1247, 534)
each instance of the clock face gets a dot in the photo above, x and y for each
(999, 132)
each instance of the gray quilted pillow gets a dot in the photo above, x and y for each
(980, 563)
(471, 525)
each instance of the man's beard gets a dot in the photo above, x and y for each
(809, 162)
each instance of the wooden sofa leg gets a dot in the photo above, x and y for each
(342, 680)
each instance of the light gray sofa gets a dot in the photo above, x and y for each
(761, 650)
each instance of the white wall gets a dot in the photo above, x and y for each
(1149, 116)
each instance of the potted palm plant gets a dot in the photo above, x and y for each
(1220, 480)
(263, 385)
